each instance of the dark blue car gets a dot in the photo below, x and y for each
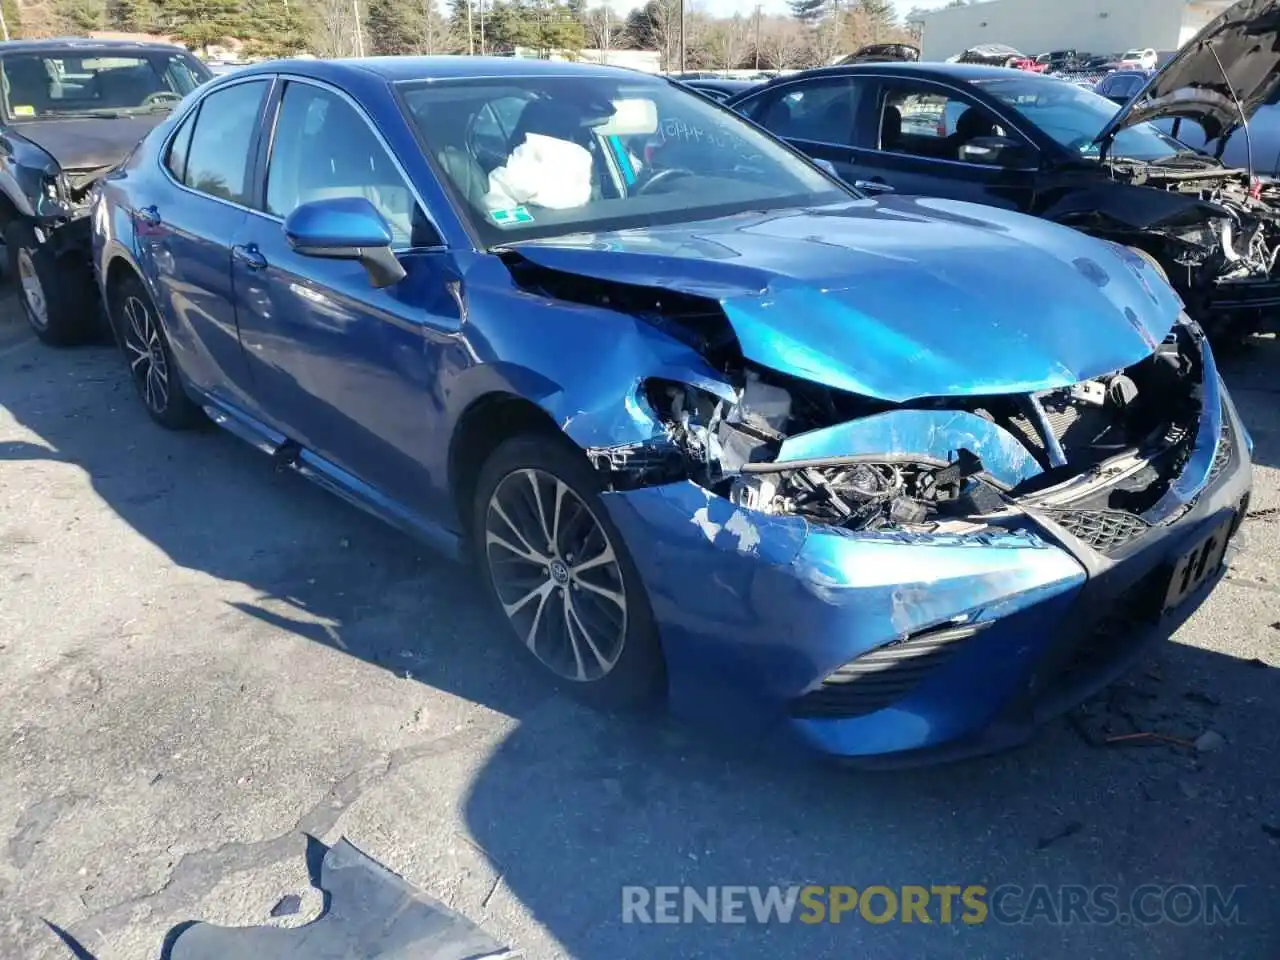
(897, 476)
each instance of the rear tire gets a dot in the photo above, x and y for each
(152, 368)
(56, 292)
(556, 567)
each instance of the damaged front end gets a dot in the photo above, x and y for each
(844, 556)
(1114, 445)
(1221, 248)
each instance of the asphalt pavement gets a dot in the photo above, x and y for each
(204, 661)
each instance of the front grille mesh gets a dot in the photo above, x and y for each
(1104, 530)
(1222, 456)
(885, 675)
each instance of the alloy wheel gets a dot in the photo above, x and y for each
(32, 289)
(145, 349)
(556, 574)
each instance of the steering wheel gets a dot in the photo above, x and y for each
(160, 96)
(662, 176)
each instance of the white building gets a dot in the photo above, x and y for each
(1093, 26)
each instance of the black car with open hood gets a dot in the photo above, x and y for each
(70, 110)
(1045, 146)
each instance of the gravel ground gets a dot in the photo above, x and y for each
(202, 661)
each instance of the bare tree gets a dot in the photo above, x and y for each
(727, 42)
(664, 21)
(336, 34)
(782, 43)
(604, 30)
(437, 32)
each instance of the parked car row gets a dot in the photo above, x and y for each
(1037, 145)
(883, 475)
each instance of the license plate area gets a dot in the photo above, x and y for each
(1192, 569)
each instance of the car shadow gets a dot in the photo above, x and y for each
(572, 806)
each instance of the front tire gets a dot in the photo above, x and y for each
(152, 368)
(557, 568)
(56, 292)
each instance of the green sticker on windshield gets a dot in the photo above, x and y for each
(511, 216)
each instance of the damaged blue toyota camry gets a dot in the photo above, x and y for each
(892, 478)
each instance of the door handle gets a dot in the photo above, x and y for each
(873, 186)
(249, 255)
(149, 215)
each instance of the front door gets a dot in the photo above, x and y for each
(348, 371)
(916, 138)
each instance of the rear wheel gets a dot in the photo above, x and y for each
(561, 575)
(56, 292)
(154, 372)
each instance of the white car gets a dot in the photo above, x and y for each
(1139, 60)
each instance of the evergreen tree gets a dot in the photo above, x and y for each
(394, 26)
(279, 28)
(133, 16)
(879, 12)
(808, 12)
(201, 23)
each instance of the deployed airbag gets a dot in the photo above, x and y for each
(544, 172)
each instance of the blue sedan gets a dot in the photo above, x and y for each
(893, 476)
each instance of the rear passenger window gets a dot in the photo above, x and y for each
(218, 160)
(820, 110)
(176, 161)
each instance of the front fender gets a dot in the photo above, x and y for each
(582, 365)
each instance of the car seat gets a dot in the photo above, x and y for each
(27, 83)
(357, 167)
(890, 128)
(973, 123)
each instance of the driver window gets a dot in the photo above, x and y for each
(323, 148)
(932, 122)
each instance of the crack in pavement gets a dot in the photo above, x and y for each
(197, 872)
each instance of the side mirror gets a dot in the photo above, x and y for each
(827, 166)
(345, 228)
(998, 152)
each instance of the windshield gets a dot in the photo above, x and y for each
(549, 156)
(94, 83)
(1074, 117)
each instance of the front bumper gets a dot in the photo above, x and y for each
(755, 611)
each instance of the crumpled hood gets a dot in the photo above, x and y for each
(82, 143)
(1245, 41)
(901, 297)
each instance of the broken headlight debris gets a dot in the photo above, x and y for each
(866, 494)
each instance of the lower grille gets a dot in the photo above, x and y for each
(1120, 630)
(885, 675)
(1104, 530)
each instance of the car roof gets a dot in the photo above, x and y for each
(56, 44)
(399, 69)
(925, 70)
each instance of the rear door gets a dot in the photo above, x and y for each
(819, 116)
(185, 235)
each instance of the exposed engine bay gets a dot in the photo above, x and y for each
(1118, 440)
(1231, 236)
